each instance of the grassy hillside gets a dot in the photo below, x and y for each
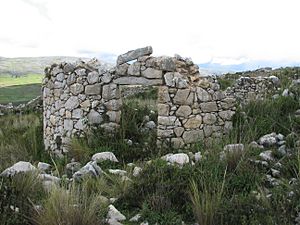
(19, 90)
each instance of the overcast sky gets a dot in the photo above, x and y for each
(227, 32)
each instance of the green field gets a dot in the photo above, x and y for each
(19, 90)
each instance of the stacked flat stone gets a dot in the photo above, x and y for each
(191, 107)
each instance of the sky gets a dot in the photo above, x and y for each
(212, 32)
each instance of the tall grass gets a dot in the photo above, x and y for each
(71, 207)
(206, 199)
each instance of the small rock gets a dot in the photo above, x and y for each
(135, 218)
(275, 173)
(114, 214)
(150, 125)
(91, 168)
(198, 156)
(268, 140)
(266, 155)
(136, 171)
(254, 144)
(282, 150)
(179, 158)
(73, 167)
(102, 156)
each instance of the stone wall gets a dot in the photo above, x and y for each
(248, 89)
(191, 107)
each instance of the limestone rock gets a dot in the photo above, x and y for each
(182, 97)
(203, 95)
(136, 171)
(72, 103)
(179, 158)
(178, 131)
(184, 111)
(268, 140)
(94, 117)
(102, 156)
(163, 109)
(163, 95)
(134, 69)
(68, 125)
(152, 73)
(93, 77)
(177, 142)
(193, 122)
(166, 120)
(114, 214)
(226, 115)
(90, 169)
(76, 88)
(122, 69)
(118, 172)
(134, 54)
(93, 89)
(137, 81)
(266, 155)
(209, 118)
(209, 107)
(77, 113)
(192, 136)
(110, 91)
(19, 167)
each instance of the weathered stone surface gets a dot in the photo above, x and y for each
(113, 105)
(93, 89)
(209, 107)
(94, 117)
(203, 95)
(137, 81)
(166, 120)
(134, 69)
(19, 167)
(114, 215)
(193, 122)
(182, 96)
(93, 77)
(192, 136)
(134, 54)
(166, 63)
(86, 104)
(79, 125)
(122, 69)
(163, 109)
(77, 113)
(178, 131)
(184, 111)
(163, 94)
(164, 133)
(76, 89)
(110, 91)
(72, 103)
(179, 158)
(209, 118)
(71, 79)
(177, 142)
(114, 116)
(68, 124)
(103, 156)
(226, 115)
(90, 169)
(268, 140)
(106, 78)
(152, 73)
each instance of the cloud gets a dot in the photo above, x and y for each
(40, 5)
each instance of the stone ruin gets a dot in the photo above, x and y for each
(191, 107)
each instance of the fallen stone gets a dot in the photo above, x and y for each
(136, 171)
(90, 169)
(179, 158)
(102, 156)
(114, 214)
(118, 172)
(19, 167)
(43, 166)
(268, 140)
(266, 155)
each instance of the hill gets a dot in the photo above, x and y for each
(29, 65)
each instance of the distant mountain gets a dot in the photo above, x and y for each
(30, 65)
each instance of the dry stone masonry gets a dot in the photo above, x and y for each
(190, 107)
